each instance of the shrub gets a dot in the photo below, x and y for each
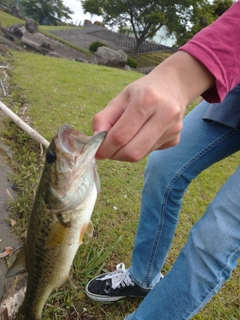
(99, 23)
(132, 63)
(94, 46)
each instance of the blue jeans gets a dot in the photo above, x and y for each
(213, 246)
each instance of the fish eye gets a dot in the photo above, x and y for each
(51, 156)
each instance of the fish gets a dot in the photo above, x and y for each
(60, 216)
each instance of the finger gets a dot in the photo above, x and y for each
(148, 139)
(105, 119)
(123, 131)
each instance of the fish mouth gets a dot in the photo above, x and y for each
(71, 141)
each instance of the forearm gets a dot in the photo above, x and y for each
(185, 76)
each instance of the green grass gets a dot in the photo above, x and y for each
(58, 91)
(8, 20)
(54, 28)
(151, 59)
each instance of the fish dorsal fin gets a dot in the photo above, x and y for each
(88, 229)
(19, 264)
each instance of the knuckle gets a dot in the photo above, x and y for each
(175, 141)
(96, 119)
(151, 98)
(135, 156)
(178, 128)
(119, 137)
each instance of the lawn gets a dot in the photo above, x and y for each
(57, 91)
(152, 59)
(8, 20)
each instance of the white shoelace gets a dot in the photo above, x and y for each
(120, 277)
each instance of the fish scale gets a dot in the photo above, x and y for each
(60, 216)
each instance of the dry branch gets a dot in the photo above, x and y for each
(25, 127)
(3, 89)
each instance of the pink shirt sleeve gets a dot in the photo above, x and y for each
(218, 48)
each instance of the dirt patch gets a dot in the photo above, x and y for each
(7, 239)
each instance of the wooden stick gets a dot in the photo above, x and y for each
(25, 127)
(3, 89)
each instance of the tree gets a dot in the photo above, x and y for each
(8, 3)
(51, 11)
(92, 7)
(220, 6)
(202, 15)
(144, 17)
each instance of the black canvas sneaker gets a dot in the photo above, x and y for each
(114, 286)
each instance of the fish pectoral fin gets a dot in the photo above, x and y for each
(19, 264)
(68, 283)
(56, 235)
(88, 229)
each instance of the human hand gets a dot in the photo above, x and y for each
(147, 115)
(139, 120)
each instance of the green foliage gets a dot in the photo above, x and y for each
(201, 16)
(89, 264)
(91, 6)
(220, 6)
(6, 3)
(95, 45)
(132, 62)
(48, 12)
(99, 23)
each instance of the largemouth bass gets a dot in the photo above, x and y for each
(60, 216)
